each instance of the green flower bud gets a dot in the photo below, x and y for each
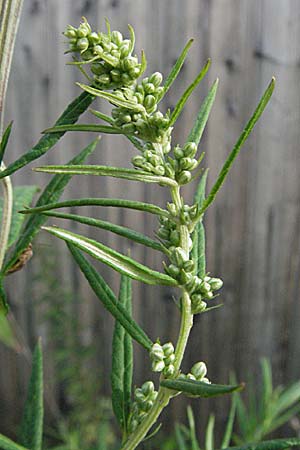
(169, 371)
(190, 376)
(155, 159)
(128, 128)
(185, 278)
(148, 388)
(104, 79)
(198, 307)
(133, 425)
(94, 38)
(158, 366)
(156, 79)
(157, 353)
(153, 396)
(149, 102)
(70, 32)
(139, 395)
(83, 44)
(206, 380)
(115, 75)
(194, 284)
(138, 161)
(190, 149)
(149, 88)
(199, 370)
(168, 349)
(205, 287)
(117, 37)
(169, 170)
(159, 170)
(179, 256)
(124, 49)
(146, 406)
(139, 97)
(173, 270)
(170, 359)
(115, 53)
(112, 60)
(184, 177)
(97, 69)
(84, 29)
(172, 208)
(209, 295)
(178, 153)
(189, 266)
(215, 283)
(175, 237)
(98, 50)
(163, 233)
(135, 72)
(130, 62)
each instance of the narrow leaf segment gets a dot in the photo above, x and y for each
(200, 389)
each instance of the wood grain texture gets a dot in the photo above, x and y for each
(253, 228)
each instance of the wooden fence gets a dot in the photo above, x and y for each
(253, 228)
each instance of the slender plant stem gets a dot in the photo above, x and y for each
(6, 215)
(164, 395)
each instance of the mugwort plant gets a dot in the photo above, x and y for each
(116, 74)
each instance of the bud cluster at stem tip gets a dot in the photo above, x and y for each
(163, 358)
(109, 54)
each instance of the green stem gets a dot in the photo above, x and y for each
(164, 395)
(6, 215)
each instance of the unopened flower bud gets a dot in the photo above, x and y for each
(215, 283)
(169, 371)
(184, 177)
(170, 359)
(180, 256)
(149, 102)
(178, 153)
(199, 370)
(205, 287)
(149, 88)
(190, 149)
(168, 349)
(188, 266)
(83, 44)
(158, 366)
(148, 388)
(156, 79)
(117, 37)
(104, 79)
(157, 353)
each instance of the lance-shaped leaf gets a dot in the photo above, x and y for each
(236, 149)
(7, 334)
(200, 389)
(122, 363)
(108, 299)
(117, 229)
(3, 299)
(84, 127)
(32, 423)
(4, 141)
(70, 115)
(202, 118)
(23, 196)
(275, 444)
(109, 202)
(8, 444)
(229, 425)
(51, 193)
(176, 69)
(113, 98)
(182, 101)
(119, 262)
(109, 171)
(198, 251)
(209, 435)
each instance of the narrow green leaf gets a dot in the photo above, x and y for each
(236, 149)
(104, 429)
(119, 262)
(182, 101)
(209, 435)
(110, 202)
(287, 398)
(32, 423)
(4, 141)
(200, 389)
(128, 353)
(132, 38)
(176, 69)
(267, 387)
(202, 118)
(109, 171)
(22, 197)
(117, 229)
(153, 433)
(108, 299)
(229, 425)
(198, 250)
(276, 444)
(192, 430)
(8, 444)
(102, 116)
(112, 98)
(3, 300)
(51, 193)
(180, 438)
(121, 371)
(284, 417)
(69, 116)
(83, 127)
(7, 335)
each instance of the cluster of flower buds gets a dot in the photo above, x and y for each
(143, 402)
(163, 358)
(110, 55)
(198, 373)
(202, 289)
(185, 162)
(144, 121)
